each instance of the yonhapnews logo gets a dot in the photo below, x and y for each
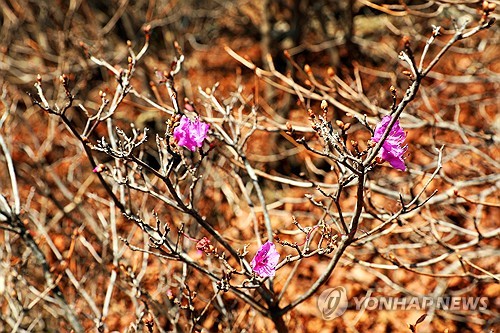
(333, 302)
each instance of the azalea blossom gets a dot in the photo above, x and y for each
(265, 260)
(392, 150)
(191, 134)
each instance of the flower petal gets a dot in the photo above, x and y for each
(391, 150)
(380, 128)
(265, 260)
(191, 134)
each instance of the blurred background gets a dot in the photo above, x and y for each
(357, 41)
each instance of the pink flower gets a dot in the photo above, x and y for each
(265, 260)
(391, 150)
(99, 168)
(191, 134)
(204, 245)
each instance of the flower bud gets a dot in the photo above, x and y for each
(311, 113)
(324, 104)
(99, 168)
(307, 69)
(204, 245)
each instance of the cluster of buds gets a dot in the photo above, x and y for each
(344, 127)
(488, 7)
(331, 236)
(205, 246)
(313, 119)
